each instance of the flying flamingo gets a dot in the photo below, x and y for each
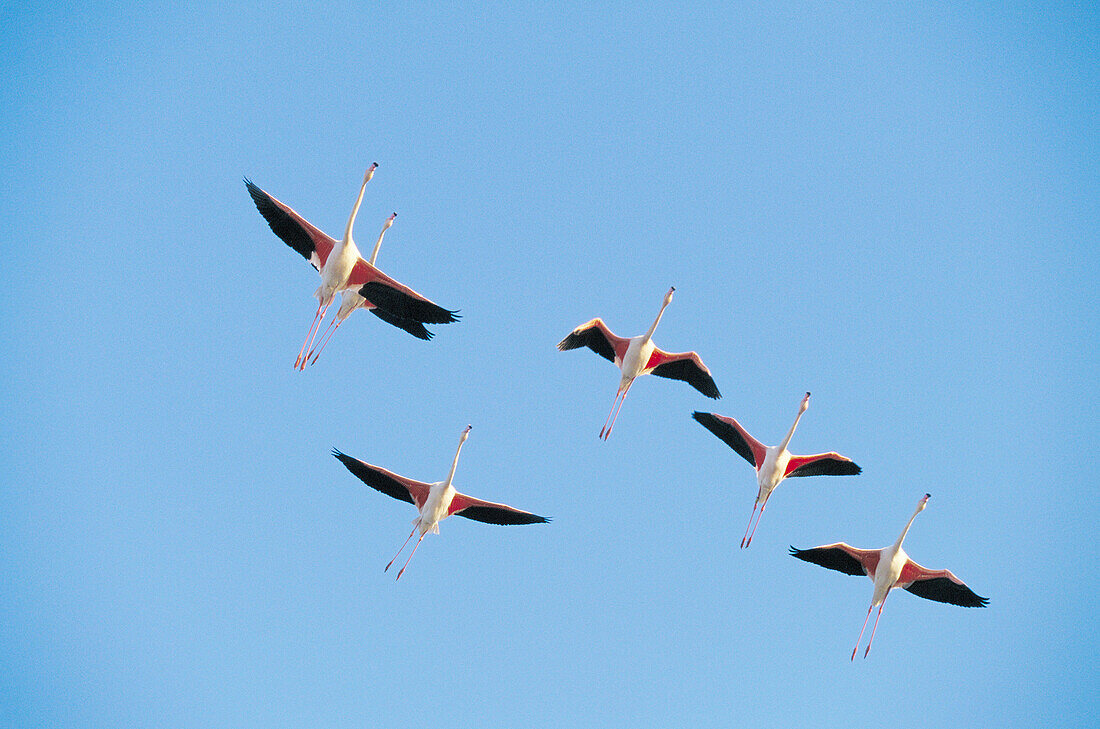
(639, 356)
(342, 267)
(435, 501)
(350, 300)
(773, 463)
(889, 568)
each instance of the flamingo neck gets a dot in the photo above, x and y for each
(354, 212)
(790, 433)
(649, 335)
(901, 538)
(378, 245)
(454, 466)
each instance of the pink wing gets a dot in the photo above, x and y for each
(938, 585)
(596, 336)
(686, 366)
(292, 228)
(733, 435)
(398, 299)
(842, 558)
(491, 513)
(821, 464)
(388, 482)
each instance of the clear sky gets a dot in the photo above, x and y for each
(894, 208)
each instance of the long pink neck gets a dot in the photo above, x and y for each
(653, 328)
(790, 433)
(901, 538)
(355, 211)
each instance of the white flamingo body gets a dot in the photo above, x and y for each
(891, 568)
(634, 362)
(435, 508)
(434, 501)
(773, 463)
(636, 356)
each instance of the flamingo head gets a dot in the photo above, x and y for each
(466, 433)
(923, 502)
(389, 221)
(370, 172)
(668, 296)
(805, 404)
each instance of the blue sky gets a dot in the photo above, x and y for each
(894, 208)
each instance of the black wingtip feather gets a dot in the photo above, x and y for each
(726, 433)
(402, 305)
(833, 559)
(283, 225)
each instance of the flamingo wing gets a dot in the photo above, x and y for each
(292, 228)
(414, 328)
(596, 336)
(938, 585)
(841, 557)
(491, 513)
(396, 298)
(686, 366)
(733, 435)
(389, 483)
(822, 464)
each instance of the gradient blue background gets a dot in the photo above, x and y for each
(893, 208)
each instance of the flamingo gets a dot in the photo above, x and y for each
(639, 356)
(342, 267)
(350, 300)
(897, 570)
(773, 463)
(434, 501)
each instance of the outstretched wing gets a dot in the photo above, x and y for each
(938, 585)
(841, 557)
(733, 435)
(822, 464)
(491, 513)
(596, 336)
(686, 366)
(396, 298)
(292, 228)
(389, 483)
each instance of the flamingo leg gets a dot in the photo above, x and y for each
(880, 607)
(323, 312)
(418, 541)
(757, 523)
(861, 633)
(748, 525)
(618, 394)
(402, 548)
(309, 335)
(625, 391)
(332, 327)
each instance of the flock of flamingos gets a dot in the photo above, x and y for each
(361, 285)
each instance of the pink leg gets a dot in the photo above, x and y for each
(332, 327)
(880, 607)
(757, 523)
(324, 311)
(418, 541)
(316, 319)
(861, 632)
(608, 433)
(618, 394)
(402, 547)
(748, 525)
